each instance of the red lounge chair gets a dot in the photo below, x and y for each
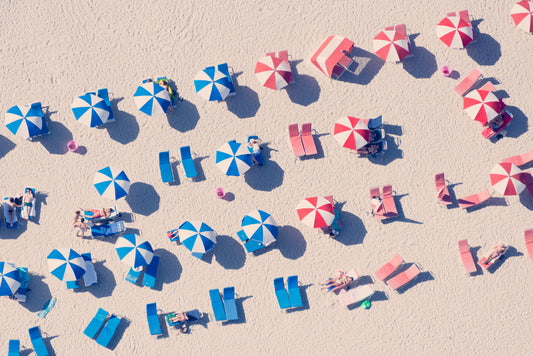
(528, 235)
(388, 268)
(404, 277)
(488, 132)
(466, 17)
(442, 190)
(270, 54)
(483, 259)
(388, 201)
(451, 14)
(284, 55)
(488, 86)
(377, 211)
(308, 140)
(521, 159)
(473, 200)
(467, 83)
(401, 31)
(466, 257)
(296, 140)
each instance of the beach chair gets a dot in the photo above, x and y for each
(388, 268)
(352, 273)
(224, 68)
(296, 141)
(230, 306)
(153, 319)
(96, 323)
(104, 94)
(89, 278)
(252, 246)
(133, 275)
(482, 261)
(150, 273)
(308, 140)
(463, 15)
(284, 55)
(14, 348)
(106, 230)
(467, 83)
(37, 341)
(38, 111)
(488, 132)
(20, 294)
(356, 295)
(88, 215)
(72, 284)
(378, 210)
(270, 54)
(32, 207)
(375, 123)
(388, 201)
(528, 237)
(295, 297)
(164, 167)
(488, 86)
(187, 162)
(473, 200)
(281, 293)
(466, 256)
(404, 277)
(401, 32)
(108, 331)
(13, 221)
(217, 305)
(520, 159)
(443, 193)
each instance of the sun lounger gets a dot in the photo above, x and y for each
(150, 273)
(388, 201)
(153, 319)
(37, 341)
(252, 246)
(466, 18)
(108, 331)
(488, 86)
(88, 215)
(224, 68)
(72, 284)
(404, 277)
(401, 32)
(443, 193)
(488, 132)
(284, 55)
(217, 305)
(187, 162)
(164, 167)
(375, 123)
(295, 297)
(378, 209)
(133, 275)
(281, 293)
(230, 306)
(14, 348)
(482, 261)
(528, 236)
(14, 220)
(296, 141)
(106, 230)
(96, 323)
(356, 295)
(352, 273)
(32, 207)
(89, 277)
(473, 200)
(388, 268)
(308, 140)
(520, 159)
(467, 83)
(466, 257)
(20, 294)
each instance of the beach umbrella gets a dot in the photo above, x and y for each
(481, 105)
(522, 14)
(260, 226)
(198, 237)
(391, 46)
(273, 72)
(211, 84)
(24, 121)
(506, 179)
(233, 158)
(455, 32)
(112, 183)
(90, 110)
(152, 99)
(66, 264)
(316, 212)
(351, 132)
(331, 51)
(9, 279)
(132, 252)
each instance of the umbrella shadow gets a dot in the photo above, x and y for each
(106, 281)
(143, 199)
(170, 268)
(486, 50)
(305, 89)
(368, 66)
(184, 117)
(38, 293)
(14, 233)
(125, 129)
(526, 200)
(245, 103)
(290, 242)
(229, 253)
(6, 145)
(519, 124)
(393, 152)
(55, 142)
(121, 328)
(199, 169)
(423, 63)
(265, 178)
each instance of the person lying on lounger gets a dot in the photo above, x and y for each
(495, 123)
(341, 278)
(495, 253)
(183, 318)
(369, 149)
(11, 206)
(27, 199)
(254, 146)
(96, 214)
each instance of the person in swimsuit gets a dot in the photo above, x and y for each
(496, 253)
(11, 210)
(96, 214)
(27, 201)
(183, 318)
(341, 278)
(368, 149)
(79, 225)
(255, 146)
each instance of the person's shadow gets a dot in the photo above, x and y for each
(125, 129)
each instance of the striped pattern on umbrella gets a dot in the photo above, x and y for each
(66, 264)
(506, 179)
(260, 226)
(132, 252)
(454, 32)
(390, 46)
(9, 279)
(273, 72)
(233, 158)
(482, 105)
(24, 121)
(152, 99)
(522, 14)
(112, 183)
(90, 110)
(211, 84)
(316, 212)
(351, 132)
(198, 237)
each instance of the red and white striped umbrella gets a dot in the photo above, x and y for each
(273, 72)
(455, 32)
(481, 105)
(506, 179)
(316, 212)
(351, 132)
(522, 14)
(390, 46)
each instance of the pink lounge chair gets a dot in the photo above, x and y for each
(284, 55)
(308, 140)
(388, 201)
(528, 235)
(466, 17)
(473, 200)
(451, 14)
(520, 159)
(389, 28)
(401, 31)
(388, 268)
(443, 193)
(483, 259)
(404, 277)
(296, 141)
(467, 83)
(379, 210)
(270, 54)
(466, 257)
(488, 86)
(356, 295)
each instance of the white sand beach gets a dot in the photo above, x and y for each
(54, 51)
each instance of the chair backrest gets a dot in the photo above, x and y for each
(488, 86)
(439, 181)
(401, 30)
(37, 341)
(164, 157)
(185, 152)
(528, 237)
(108, 331)
(375, 122)
(404, 277)
(14, 348)
(293, 130)
(465, 16)
(306, 129)
(451, 14)
(387, 191)
(281, 293)
(153, 319)
(388, 268)
(150, 273)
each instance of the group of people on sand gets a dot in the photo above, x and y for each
(80, 224)
(25, 202)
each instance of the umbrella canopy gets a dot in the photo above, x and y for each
(522, 14)
(506, 179)
(330, 53)
(112, 183)
(211, 84)
(455, 32)
(316, 212)
(132, 252)
(90, 110)
(481, 105)
(24, 121)
(351, 132)
(260, 226)
(273, 72)
(233, 158)
(66, 264)
(152, 99)
(198, 237)
(390, 46)
(9, 279)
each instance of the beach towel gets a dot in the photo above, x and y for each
(47, 307)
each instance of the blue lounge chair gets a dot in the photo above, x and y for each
(150, 273)
(229, 303)
(133, 276)
(375, 123)
(103, 93)
(281, 293)
(38, 110)
(295, 296)
(6, 215)
(96, 323)
(37, 341)
(89, 277)
(108, 331)
(72, 284)
(187, 162)
(242, 235)
(153, 319)
(252, 246)
(24, 277)
(224, 68)
(106, 230)
(14, 348)
(217, 305)
(164, 167)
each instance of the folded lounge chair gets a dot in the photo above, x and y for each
(108, 331)
(404, 277)
(520, 159)
(217, 305)
(106, 230)
(150, 273)
(443, 193)
(295, 297)
(89, 277)
(32, 206)
(14, 348)
(473, 200)
(467, 83)
(230, 306)
(37, 341)
(187, 162)
(96, 323)
(308, 140)
(10, 223)
(388, 268)
(356, 295)
(164, 167)
(153, 319)
(281, 293)
(466, 257)
(296, 141)
(528, 236)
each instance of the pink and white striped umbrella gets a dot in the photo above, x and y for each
(351, 132)
(316, 212)
(506, 179)
(522, 14)
(273, 72)
(390, 46)
(481, 105)
(455, 32)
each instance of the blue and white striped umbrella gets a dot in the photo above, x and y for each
(152, 99)
(9, 279)
(198, 237)
(24, 121)
(233, 158)
(66, 264)
(211, 84)
(112, 183)
(90, 110)
(135, 254)
(260, 226)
